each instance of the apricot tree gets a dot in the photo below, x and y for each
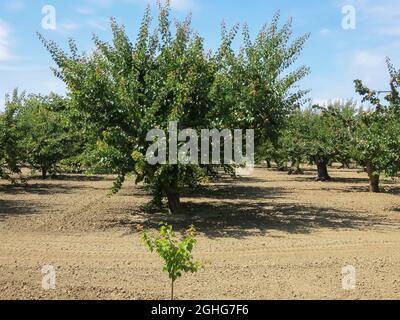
(377, 139)
(128, 89)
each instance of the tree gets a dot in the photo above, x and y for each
(320, 134)
(46, 132)
(377, 138)
(128, 89)
(9, 137)
(292, 144)
(256, 88)
(177, 255)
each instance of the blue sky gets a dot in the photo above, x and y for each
(336, 56)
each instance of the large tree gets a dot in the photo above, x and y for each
(377, 138)
(128, 89)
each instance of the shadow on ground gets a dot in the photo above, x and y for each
(43, 188)
(241, 211)
(358, 184)
(334, 180)
(53, 186)
(72, 177)
(386, 189)
(235, 192)
(16, 208)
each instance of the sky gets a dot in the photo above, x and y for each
(350, 39)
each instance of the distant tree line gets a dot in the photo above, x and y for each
(342, 132)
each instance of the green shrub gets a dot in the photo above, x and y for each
(177, 255)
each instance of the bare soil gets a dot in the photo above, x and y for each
(270, 236)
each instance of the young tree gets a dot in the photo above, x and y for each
(377, 138)
(128, 89)
(177, 255)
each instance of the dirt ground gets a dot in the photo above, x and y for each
(271, 236)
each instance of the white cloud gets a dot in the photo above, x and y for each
(103, 3)
(85, 10)
(99, 23)
(177, 5)
(370, 66)
(380, 18)
(5, 41)
(368, 59)
(325, 32)
(378, 25)
(393, 30)
(69, 25)
(183, 5)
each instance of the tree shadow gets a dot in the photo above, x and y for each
(385, 189)
(16, 208)
(345, 180)
(392, 190)
(38, 188)
(234, 192)
(334, 180)
(217, 215)
(350, 180)
(73, 178)
(227, 179)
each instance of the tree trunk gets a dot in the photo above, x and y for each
(172, 290)
(44, 173)
(174, 201)
(345, 165)
(373, 179)
(269, 165)
(322, 166)
(298, 165)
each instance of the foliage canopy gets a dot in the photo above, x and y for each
(127, 89)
